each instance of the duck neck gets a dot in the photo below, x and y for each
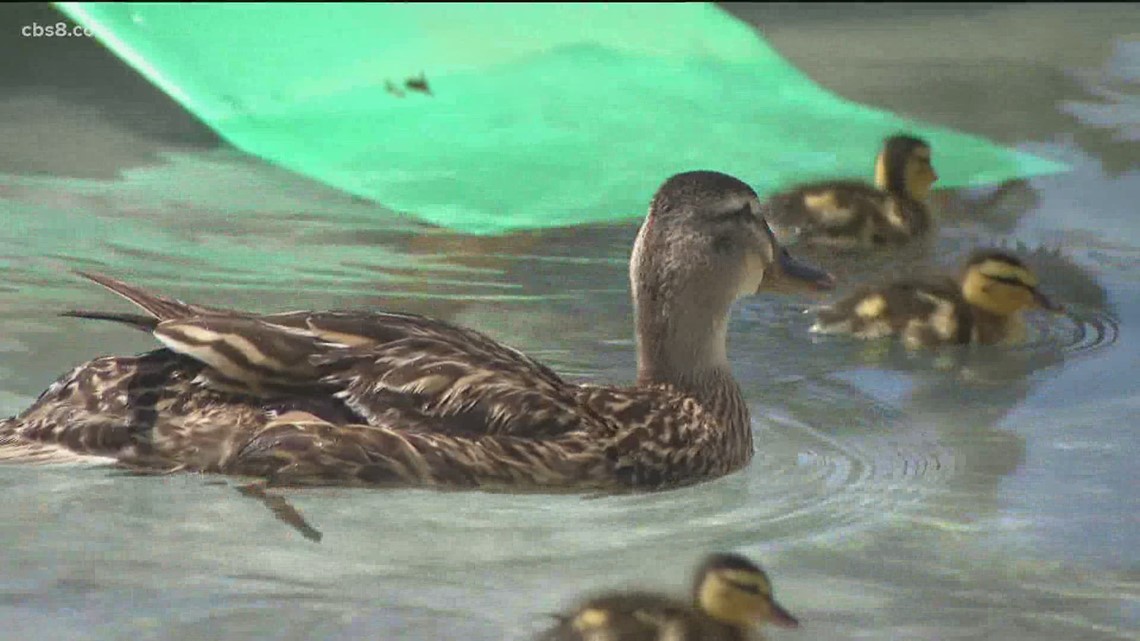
(890, 178)
(991, 328)
(681, 318)
(686, 349)
(882, 177)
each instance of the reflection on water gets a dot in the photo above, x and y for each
(966, 494)
(997, 70)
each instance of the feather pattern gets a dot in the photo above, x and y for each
(377, 398)
(983, 306)
(360, 398)
(923, 310)
(641, 616)
(850, 212)
(731, 598)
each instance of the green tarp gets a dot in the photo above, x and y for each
(529, 115)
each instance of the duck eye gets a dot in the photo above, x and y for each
(744, 213)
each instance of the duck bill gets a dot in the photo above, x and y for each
(789, 275)
(1044, 302)
(782, 618)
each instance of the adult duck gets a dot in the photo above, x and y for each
(374, 398)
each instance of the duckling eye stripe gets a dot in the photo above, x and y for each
(1009, 280)
(750, 588)
(745, 581)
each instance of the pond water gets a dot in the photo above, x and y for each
(974, 496)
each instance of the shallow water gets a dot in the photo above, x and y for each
(977, 495)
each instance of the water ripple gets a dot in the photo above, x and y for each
(1087, 331)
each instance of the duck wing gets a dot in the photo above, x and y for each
(636, 617)
(828, 207)
(873, 312)
(438, 370)
(301, 449)
(147, 413)
(143, 411)
(389, 368)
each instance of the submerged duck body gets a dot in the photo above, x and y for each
(372, 398)
(731, 598)
(983, 307)
(855, 213)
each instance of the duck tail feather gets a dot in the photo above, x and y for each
(15, 449)
(138, 321)
(160, 307)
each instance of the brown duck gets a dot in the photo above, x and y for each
(374, 398)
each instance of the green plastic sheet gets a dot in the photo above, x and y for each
(534, 115)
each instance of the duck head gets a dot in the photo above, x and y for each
(703, 246)
(735, 591)
(904, 166)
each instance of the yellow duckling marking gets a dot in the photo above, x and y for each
(746, 578)
(942, 319)
(591, 618)
(871, 307)
(894, 217)
(881, 170)
(999, 269)
(919, 174)
(826, 205)
(735, 597)
(999, 287)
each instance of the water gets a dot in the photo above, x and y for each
(974, 496)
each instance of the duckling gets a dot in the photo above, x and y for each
(984, 307)
(382, 399)
(731, 598)
(853, 213)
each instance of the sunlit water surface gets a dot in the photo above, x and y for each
(972, 495)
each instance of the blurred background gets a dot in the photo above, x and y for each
(891, 498)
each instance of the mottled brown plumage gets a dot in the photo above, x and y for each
(983, 307)
(731, 598)
(362, 398)
(850, 212)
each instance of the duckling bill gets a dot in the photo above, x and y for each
(984, 306)
(731, 598)
(847, 212)
(390, 399)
